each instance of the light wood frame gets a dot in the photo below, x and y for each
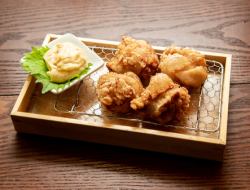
(127, 136)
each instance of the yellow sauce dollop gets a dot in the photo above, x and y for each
(64, 61)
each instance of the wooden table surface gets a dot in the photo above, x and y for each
(32, 162)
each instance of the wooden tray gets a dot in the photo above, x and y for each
(36, 114)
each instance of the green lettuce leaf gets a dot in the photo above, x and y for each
(34, 64)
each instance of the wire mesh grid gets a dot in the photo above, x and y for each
(203, 116)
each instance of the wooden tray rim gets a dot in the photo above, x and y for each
(225, 97)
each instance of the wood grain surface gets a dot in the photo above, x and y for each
(32, 162)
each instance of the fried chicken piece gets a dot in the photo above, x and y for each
(169, 105)
(184, 65)
(136, 56)
(115, 91)
(158, 84)
(163, 100)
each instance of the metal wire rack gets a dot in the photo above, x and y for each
(203, 116)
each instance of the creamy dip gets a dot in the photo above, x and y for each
(64, 62)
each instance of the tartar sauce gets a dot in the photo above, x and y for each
(64, 62)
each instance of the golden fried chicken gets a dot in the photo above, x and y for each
(136, 56)
(158, 84)
(163, 100)
(115, 91)
(169, 105)
(184, 65)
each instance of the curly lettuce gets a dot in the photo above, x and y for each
(34, 64)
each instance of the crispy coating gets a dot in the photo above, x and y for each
(184, 65)
(169, 105)
(158, 84)
(163, 100)
(136, 56)
(115, 91)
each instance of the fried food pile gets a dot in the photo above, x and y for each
(163, 98)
